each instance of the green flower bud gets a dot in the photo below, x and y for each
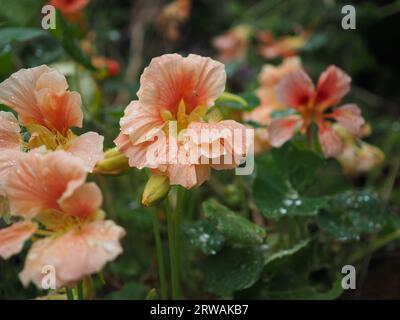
(114, 163)
(156, 189)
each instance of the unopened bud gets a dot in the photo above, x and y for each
(156, 189)
(114, 163)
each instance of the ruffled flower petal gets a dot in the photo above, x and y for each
(39, 95)
(283, 129)
(9, 132)
(12, 239)
(170, 78)
(139, 124)
(188, 175)
(349, 116)
(84, 201)
(39, 181)
(295, 90)
(331, 143)
(333, 85)
(8, 161)
(88, 147)
(18, 93)
(76, 254)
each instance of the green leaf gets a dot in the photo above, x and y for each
(349, 215)
(301, 288)
(204, 235)
(252, 99)
(297, 273)
(10, 35)
(235, 228)
(20, 13)
(281, 178)
(232, 270)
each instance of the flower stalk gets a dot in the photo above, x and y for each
(160, 256)
(176, 291)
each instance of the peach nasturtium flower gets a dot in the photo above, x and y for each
(269, 78)
(48, 110)
(48, 193)
(286, 46)
(232, 45)
(69, 7)
(179, 90)
(172, 16)
(357, 156)
(312, 105)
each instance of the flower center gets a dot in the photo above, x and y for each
(182, 118)
(53, 140)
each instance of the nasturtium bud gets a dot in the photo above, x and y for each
(114, 163)
(156, 189)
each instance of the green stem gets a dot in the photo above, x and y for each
(160, 256)
(310, 138)
(172, 252)
(80, 291)
(377, 244)
(88, 288)
(180, 198)
(70, 294)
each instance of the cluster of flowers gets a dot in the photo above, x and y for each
(288, 88)
(43, 169)
(233, 45)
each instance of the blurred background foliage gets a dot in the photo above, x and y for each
(237, 241)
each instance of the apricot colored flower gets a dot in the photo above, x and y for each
(48, 192)
(232, 45)
(69, 7)
(180, 90)
(357, 156)
(297, 91)
(268, 79)
(107, 67)
(173, 15)
(48, 110)
(286, 46)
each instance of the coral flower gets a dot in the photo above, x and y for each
(268, 79)
(48, 191)
(357, 156)
(69, 7)
(172, 16)
(232, 46)
(180, 90)
(297, 91)
(287, 46)
(48, 110)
